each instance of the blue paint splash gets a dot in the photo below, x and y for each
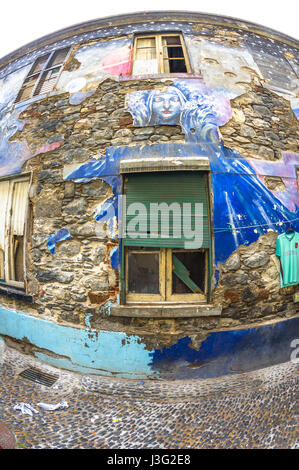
(243, 207)
(59, 236)
(115, 257)
(226, 352)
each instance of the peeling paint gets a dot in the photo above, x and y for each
(59, 236)
(239, 183)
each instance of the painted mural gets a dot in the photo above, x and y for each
(13, 154)
(95, 63)
(199, 110)
(243, 207)
(250, 208)
(59, 236)
(189, 103)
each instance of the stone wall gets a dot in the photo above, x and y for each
(77, 281)
(263, 125)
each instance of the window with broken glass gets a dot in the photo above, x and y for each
(159, 53)
(43, 75)
(158, 265)
(14, 211)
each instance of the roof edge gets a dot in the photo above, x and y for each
(118, 20)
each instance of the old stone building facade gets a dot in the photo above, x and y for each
(157, 107)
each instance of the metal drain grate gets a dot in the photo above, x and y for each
(39, 377)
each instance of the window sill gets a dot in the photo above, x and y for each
(41, 97)
(14, 293)
(158, 75)
(165, 311)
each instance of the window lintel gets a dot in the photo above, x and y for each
(152, 164)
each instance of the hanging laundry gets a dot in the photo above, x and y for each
(287, 250)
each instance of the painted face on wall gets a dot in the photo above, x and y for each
(166, 108)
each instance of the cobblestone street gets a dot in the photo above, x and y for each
(253, 410)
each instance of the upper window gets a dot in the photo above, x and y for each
(160, 53)
(43, 75)
(13, 210)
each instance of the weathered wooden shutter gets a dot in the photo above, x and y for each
(170, 187)
(19, 207)
(4, 193)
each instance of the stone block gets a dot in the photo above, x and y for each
(76, 207)
(256, 260)
(46, 209)
(96, 298)
(75, 155)
(235, 279)
(248, 296)
(233, 263)
(68, 248)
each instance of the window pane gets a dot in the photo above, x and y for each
(172, 50)
(194, 264)
(59, 57)
(146, 61)
(146, 49)
(18, 247)
(25, 94)
(176, 66)
(31, 79)
(143, 273)
(171, 40)
(38, 64)
(47, 81)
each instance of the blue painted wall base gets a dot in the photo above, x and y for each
(116, 354)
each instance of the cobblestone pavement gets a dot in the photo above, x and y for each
(252, 410)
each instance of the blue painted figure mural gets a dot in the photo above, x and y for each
(243, 206)
(188, 103)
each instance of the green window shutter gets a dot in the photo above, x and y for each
(170, 188)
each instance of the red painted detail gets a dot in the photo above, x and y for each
(118, 62)
(47, 148)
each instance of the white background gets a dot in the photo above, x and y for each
(22, 21)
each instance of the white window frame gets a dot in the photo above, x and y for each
(7, 260)
(159, 52)
(45, 68)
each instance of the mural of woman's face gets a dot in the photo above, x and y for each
(166, 108)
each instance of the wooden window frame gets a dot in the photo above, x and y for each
(159, 51)
(2, 260)
(45, 68)
(7, 269)
(133, 297)
(182, 299)
(170, 297)
(165, 279)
